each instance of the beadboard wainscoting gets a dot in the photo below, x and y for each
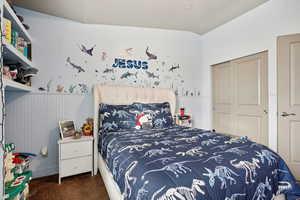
(32, 123)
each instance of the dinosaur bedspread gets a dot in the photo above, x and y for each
(182, 163)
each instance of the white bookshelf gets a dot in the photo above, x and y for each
(11, 53)
(11, 85)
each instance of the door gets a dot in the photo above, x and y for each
(223, 98)
(240, 92)
(288, 79)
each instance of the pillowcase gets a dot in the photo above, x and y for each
(160, 113)
(117, 117)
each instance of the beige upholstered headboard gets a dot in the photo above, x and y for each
(126, 95)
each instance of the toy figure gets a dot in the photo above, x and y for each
(87, 128)
(8, 162)
(142, 119)
(6, 73)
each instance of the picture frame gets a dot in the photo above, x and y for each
(67, 128)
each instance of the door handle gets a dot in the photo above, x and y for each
(285, 114)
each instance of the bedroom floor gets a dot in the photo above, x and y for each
(77, 187)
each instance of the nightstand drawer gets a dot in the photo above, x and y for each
(76, 149)
(76, 166)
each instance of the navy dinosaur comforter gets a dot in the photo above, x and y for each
(181, 163)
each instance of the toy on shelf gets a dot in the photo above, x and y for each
(18, 189)
(8, 162)
(87, 128)
(17, 175)
(22, 161)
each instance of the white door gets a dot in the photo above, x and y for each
(241, 97)
(289, 101)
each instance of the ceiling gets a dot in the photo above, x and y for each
(199, 16)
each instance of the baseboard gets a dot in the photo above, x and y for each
(44, 172)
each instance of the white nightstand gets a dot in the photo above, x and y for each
(75, 156)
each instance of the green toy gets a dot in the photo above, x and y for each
(18, 188)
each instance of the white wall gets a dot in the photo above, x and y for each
(32, 120)
(253, 32)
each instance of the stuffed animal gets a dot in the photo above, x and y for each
(87, 128)
(142, 119)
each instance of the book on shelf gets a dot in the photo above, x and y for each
(7, 29)
(12, 37)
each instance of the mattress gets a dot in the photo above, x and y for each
(187, 163)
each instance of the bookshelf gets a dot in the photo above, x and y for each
(10, 53)
(14, 51)
(11, 85)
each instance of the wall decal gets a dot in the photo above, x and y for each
(129, 51)
(156, 83)
(151, 75)
(150, 55)
(173, 68)
(59, 88)
(41, 89)
(125, 69)
(49, 85)
(79, 68)
(128, 74)
(87, 51)
(103, 56)
(83, 88)
(123, 63)
(72, 88)
(107, 70)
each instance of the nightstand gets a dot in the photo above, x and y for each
(75, 156)
(184, 122)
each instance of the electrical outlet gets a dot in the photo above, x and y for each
(44, 152)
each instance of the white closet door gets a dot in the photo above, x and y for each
(289, 101)
(243, 83)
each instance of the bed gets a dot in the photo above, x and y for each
(176, 174)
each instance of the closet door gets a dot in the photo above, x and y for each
(289, 101)
(240, 97)
(251, 97)
(223, 101)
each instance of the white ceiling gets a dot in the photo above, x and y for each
(199, 16)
